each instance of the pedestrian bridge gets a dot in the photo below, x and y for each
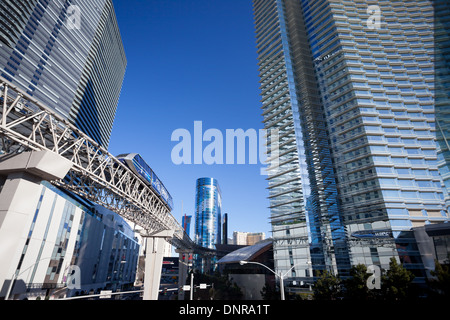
(30, 130)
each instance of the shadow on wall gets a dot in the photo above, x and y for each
(18, 288)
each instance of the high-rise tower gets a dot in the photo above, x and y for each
(305, 218)
(69, 56)
(208, 226)
(442, 89)
(208, 206)
(349, 85)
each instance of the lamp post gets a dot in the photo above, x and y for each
(191, 294)
(281, 276)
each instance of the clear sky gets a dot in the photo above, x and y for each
(192, 60)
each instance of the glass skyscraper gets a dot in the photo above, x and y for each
(350, 87)
(208, 227)
(186, 223)
(208, 206)
(67, 55)
(442, 89)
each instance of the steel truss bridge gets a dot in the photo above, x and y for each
(96, 175)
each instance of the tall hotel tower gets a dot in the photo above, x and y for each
(442, 88)
(208, 207)
(68, 55)
(208, 227)
(349, 85)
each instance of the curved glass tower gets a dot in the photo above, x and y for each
(442, 89)
(69, 56)
(208, 206)
(305, 217)
(350, 87)
(377, 85)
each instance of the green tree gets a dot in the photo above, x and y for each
(356, 285)
(327, 287)
(441, 283)
(396, 282)
(268, 292)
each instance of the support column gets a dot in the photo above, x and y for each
(154, 253)
(185, 261)
(18, 200)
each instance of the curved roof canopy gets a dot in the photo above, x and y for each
(247, 253)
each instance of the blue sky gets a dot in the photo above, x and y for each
(192, 60)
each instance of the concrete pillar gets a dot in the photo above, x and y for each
(154, 253)
(185, 261)
(18, 201)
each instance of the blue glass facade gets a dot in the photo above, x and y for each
(77, 72)
(186, 223)
(377, 85)
(307, 229)
(208, 206)
(208, 227)
(442, 89)
(354, 104)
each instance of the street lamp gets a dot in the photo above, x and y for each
(281, 276)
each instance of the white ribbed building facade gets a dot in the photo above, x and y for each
(66, 235)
